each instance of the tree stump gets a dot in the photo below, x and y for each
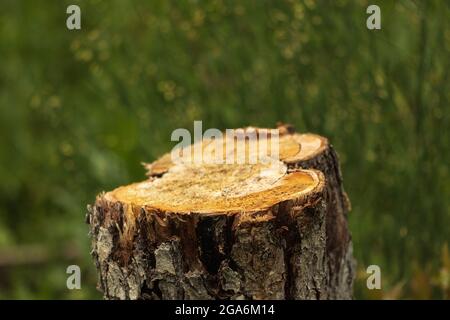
(270, 230)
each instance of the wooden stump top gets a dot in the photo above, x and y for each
(224, 188)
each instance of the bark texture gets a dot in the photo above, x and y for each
(296, 248)
(339, 247)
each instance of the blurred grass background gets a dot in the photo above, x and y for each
(81, 109)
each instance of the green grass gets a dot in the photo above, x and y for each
(81, 109)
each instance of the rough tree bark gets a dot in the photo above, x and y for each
(231, 231)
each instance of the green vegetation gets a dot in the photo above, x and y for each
(81, 109)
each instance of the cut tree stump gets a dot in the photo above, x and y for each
(270, 230)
